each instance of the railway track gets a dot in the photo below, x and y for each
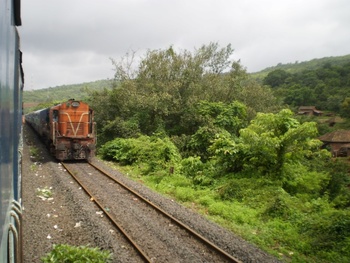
(86, 176)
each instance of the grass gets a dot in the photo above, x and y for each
(68, 253)
(44, 192)
(33, 167)
(34, 153)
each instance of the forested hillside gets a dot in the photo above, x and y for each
(51, 95)
(326, 87)
(298, 66)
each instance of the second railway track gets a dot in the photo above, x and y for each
(157, 235)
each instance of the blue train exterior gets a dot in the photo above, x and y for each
(11, 85)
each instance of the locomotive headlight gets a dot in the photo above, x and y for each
(75, 104)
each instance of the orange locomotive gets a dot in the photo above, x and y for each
(67, 128)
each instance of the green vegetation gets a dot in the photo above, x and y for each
(34, 153)
(197, 127)
(81, 254)
(150, 153)
(33, 167)
(44, 192)
(167, 90)
(296, 209)
(325, 87)
(297, 66)
(65, 92)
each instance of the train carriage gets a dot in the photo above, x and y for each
(11, 85)
(67, 129)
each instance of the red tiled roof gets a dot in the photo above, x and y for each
(307, 108)
(336, 136)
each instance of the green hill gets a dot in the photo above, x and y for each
(60, 93)
(80, 91)
(301, 66)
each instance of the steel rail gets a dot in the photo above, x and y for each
(187, 228)
(116, 224)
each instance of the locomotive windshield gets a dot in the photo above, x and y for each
(75, 104)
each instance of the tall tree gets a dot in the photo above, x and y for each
(162, 91)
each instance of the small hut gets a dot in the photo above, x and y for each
(309, 110)
(338, 141)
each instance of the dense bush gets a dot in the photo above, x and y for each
(148, 153)
(329, 233)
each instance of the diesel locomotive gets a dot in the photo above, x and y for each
(11, 86)
(68, 129)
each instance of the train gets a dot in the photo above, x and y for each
(68, 129)
(11, 89)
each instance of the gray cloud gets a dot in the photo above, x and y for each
(66, 42)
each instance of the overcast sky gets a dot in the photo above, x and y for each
(72, 41)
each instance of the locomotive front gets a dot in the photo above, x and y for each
(73, 131)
